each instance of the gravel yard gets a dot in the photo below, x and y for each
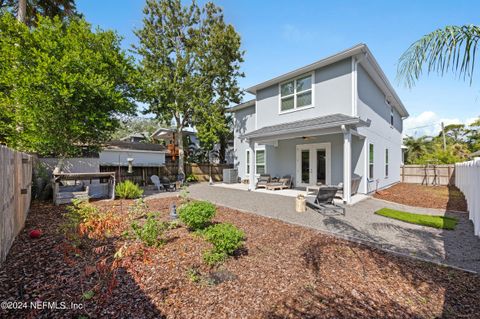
(441, 197)
(284, 271)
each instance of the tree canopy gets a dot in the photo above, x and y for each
(461, 140)
(47, 8)
(190, 63)
(62, 86)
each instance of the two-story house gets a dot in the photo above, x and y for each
(322, 124)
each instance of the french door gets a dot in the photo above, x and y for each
(313, 164)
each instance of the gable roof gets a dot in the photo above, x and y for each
(320, 122)
(241, 106)
(368, 62)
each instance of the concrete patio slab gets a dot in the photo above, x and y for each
(458, 248)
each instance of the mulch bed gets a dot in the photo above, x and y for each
(284, 271)
(442, 197)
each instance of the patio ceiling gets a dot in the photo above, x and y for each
(322, 125)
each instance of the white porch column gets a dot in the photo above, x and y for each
(251, 176)
(347, 165)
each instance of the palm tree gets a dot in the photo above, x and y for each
(452, 48)
(416, 147)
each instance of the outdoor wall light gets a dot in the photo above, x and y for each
(130, 165)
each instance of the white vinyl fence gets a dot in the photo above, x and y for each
(467, 179)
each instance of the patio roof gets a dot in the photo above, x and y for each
(304, 126)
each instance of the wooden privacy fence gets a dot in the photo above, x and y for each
(467, 179)
(200, 171)
(15, 195)
(428, 174)
(141, 175)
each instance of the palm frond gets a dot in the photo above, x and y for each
(452, 48)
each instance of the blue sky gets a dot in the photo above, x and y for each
(279, 36)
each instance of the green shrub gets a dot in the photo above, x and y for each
(192, 178)
(225, 238)
(197, 215)
(128, 190)
(212, 257)
(151, 232)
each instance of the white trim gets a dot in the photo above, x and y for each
(256, 116)
(295, 93)
(386, 163)
(312, 148)
(247, 161)
(354, 86)
(373, 162)
(132, 151)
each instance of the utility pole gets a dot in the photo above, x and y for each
(444, 140)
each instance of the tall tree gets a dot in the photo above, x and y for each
(454, 133)
(452, 48)
(190, 63)
(68, 86)
(28, 10)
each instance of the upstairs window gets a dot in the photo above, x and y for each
(296, 94)
(391, 115)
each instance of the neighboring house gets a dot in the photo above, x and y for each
(117, 153)
(135, 137)
(323, 123)
(168, 137)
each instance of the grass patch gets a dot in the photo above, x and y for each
(441, 222)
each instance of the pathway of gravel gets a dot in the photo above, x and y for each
(458, 248)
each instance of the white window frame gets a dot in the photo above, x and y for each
(294, 94)
(387, 159)
(247, 162)
(265, 159)
(371, 164)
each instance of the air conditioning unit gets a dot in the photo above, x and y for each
(230, 175)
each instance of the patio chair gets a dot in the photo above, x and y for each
(156, 181)
(283, 183)
(169, 186)
(263, 180)
(323, 201)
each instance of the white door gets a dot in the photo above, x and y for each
(313, 164)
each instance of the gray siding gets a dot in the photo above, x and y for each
(370, 94)
(332, 94)
(371, 105)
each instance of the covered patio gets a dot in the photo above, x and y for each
(286, 192)
(326, 150)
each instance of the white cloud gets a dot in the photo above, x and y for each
(428, 123)
(294, 34)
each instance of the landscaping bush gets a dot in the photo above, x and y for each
(197, 215)
(128, 190)
(151, 232)
(192, 178)
(225, 238)
(82, 218)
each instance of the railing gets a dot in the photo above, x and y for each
(467, 179)
(15, 194)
